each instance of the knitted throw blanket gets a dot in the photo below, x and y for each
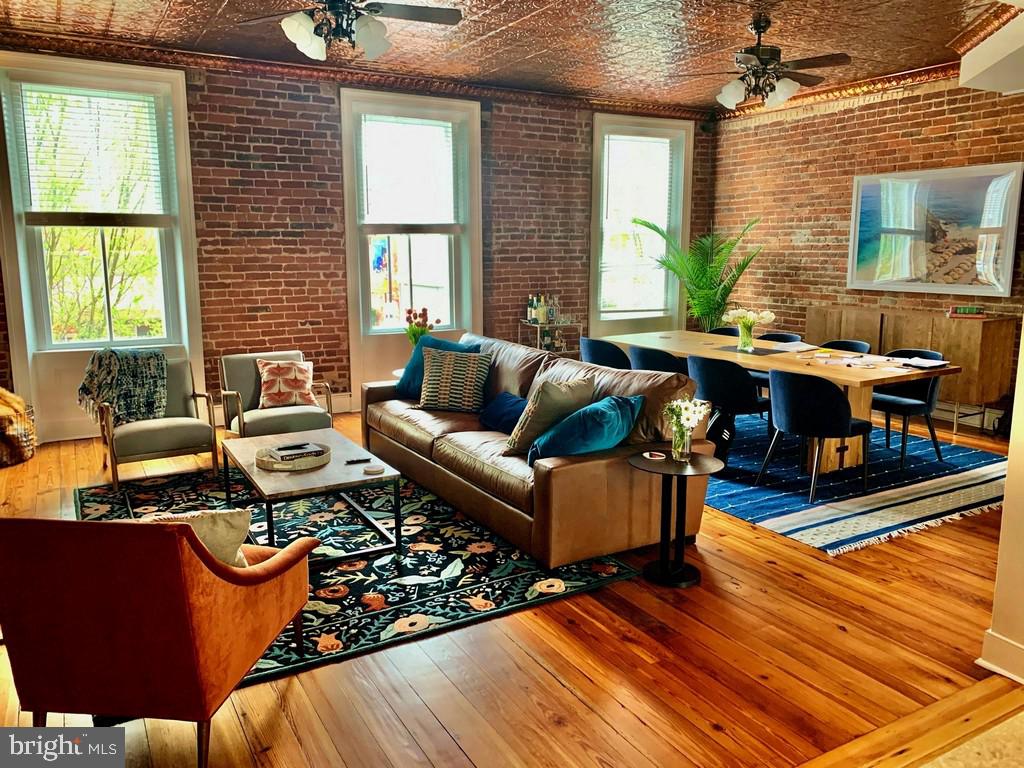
(133, 381)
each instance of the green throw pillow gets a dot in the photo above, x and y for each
(454, 381)
(548, 404)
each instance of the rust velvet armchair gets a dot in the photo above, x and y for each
(139, 620)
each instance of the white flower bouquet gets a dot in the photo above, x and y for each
(685, 415)
(747, 320)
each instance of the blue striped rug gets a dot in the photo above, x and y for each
(842, 518)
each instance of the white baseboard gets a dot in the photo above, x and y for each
(1003, 656)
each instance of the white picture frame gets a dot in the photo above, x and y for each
(928, 231)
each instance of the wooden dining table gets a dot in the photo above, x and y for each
(857, 382)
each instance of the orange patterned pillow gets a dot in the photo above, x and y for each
(285, 382)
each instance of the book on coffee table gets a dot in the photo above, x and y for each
(293, 451)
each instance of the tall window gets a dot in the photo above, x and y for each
(639, 173)
(93, 179)
(412, 159)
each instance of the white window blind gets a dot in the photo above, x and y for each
(408, 173)
(637, 184)
(89, 151)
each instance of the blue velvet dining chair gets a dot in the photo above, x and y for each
(603, 353)
(848, 345)
(761, 377)
(647, 359)
(726, 330)
(913, 398)
(812, 407)
(781, 336)
(728, 387)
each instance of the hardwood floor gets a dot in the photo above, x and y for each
(783, 656)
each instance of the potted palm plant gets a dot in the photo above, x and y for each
(706, 270)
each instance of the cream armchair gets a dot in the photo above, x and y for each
(180, 432)
(241, 399)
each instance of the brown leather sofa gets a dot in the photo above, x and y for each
(562, 509)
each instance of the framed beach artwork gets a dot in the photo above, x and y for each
(950, 230)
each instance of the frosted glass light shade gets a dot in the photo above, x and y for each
(298, 28)
(732, 94)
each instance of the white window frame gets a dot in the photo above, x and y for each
(467, 229)
(26, 335)
(680, 133)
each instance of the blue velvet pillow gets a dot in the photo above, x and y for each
(411, 383)
(503, 412)
(597, 427)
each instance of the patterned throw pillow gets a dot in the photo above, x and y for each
(454, 381)
(548, 404)
(285, 382)
(223, 531)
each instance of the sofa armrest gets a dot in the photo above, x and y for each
(597, 504)
(375, 392)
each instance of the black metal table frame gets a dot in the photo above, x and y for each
(676, 571)
(393, 541)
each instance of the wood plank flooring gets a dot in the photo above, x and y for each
(782, 657)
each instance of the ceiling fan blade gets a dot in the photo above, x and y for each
(818, 62)
(804, 78)
(272, 17)
(415, 13)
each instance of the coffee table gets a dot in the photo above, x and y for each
(274, 487)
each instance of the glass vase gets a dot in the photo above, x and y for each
(746, 342)
(681, 445)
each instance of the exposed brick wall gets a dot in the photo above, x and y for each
(536, 200)
(795, 171)
(266, 174)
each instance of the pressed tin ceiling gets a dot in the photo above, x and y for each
(638, 50)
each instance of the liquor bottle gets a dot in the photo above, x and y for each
(542, 310)
(553, 310)
(535, 315)
(529, 308)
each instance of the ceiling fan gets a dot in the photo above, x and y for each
(313, 29)
(766, 75)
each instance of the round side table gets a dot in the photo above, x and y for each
(675, 572)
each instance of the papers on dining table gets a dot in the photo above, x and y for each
(794, 346)
(921, 362)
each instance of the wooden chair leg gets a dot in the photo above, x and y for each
(768, 455)
(903, 442)
(114, 480)
(297, 635)
(203, 743)
(819, 451)
(935, 440)
(38, 719)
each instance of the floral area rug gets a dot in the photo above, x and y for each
(454, 571)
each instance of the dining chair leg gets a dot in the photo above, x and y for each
(771, 423)
(903, 442)
(768, 456)
(864, 450)
(203, 743)
(888, 426)
(935, 440)
(819, 451)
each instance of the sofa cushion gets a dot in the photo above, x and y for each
(599, 426)
(658, 389)
(454, 381)
(548, 404)
(477, 458)
(175, 433)
(503, 412)
(288, 418)
(411, 384)
(414, 428)
(513, 366)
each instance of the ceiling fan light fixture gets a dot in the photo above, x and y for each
(299, 28)
(315, 49)
(786, 88)
(370, 34)
(732, 94)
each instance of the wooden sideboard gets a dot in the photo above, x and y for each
(983, 347)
